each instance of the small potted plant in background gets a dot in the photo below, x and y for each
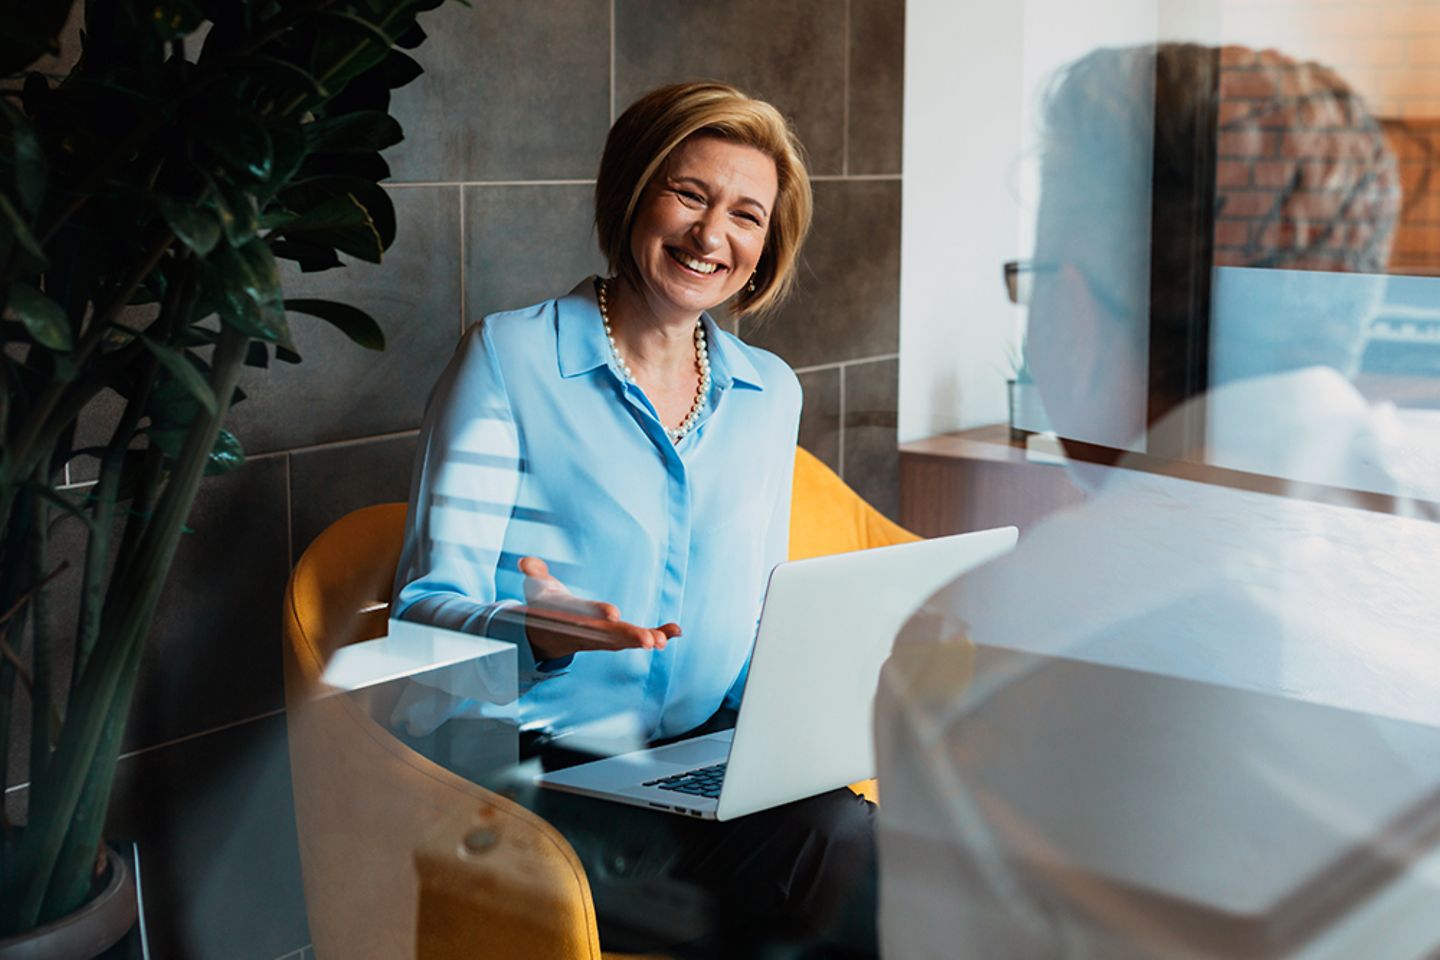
(145, 199)
(1027, 409)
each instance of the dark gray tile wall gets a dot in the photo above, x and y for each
(341, 391)
(792, 54)
(511, 91)
(492, 191)
(847, 307)
(820, 418)
(524, 244)
(876, 87)
(870, 464)
(215, 822)
(329, 482)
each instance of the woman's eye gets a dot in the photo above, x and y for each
(751, 217)
(689, 196)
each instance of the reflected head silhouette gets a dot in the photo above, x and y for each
(1161, 164)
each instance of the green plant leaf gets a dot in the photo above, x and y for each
(197, 226)
(42, 316)
(413, 36)
(363, 131)
(282, 73)
(34, 93)
(183, 371)
(226, 455)
(351, 321)
(399, 68)
(257, 355)
(288, 143)
(312, 257)
(306, 194)
(244, 286)
(193, 336)
(342, 223)
(286, 354)
(28, 157)
(230, 130)
(14, 229)
(348, 46)
(235, 207)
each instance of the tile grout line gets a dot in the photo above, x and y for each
(309, 448)
(335, 444)
(838, 364)
(176, 741)
(845, 104)
(612, 63)
(841, 455)
(463, 291)
(200, 733)
(492, 183)
(289, 514)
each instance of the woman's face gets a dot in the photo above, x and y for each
(701, 225)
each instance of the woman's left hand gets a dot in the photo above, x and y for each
(558, 623)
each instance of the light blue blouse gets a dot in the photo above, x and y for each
(534, 445)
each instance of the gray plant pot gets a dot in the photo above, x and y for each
(89, 931)
(1027, 410)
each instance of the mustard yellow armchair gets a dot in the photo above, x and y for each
(489, 878)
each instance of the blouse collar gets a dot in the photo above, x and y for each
(581, 344)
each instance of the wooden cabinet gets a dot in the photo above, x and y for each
(976, 479)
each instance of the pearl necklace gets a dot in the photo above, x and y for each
(702, 365)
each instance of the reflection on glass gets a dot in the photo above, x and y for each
(1198, 715)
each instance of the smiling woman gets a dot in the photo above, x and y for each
(604, 481)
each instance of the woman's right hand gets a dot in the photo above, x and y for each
(558, 623)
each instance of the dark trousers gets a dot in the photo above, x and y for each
(792, 881)
(797, 881)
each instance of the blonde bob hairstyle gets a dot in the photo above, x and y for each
(640, 144)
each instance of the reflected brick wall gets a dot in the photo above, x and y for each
(1389, 52)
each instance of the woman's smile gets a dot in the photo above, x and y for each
(701, 225)
(695, 264)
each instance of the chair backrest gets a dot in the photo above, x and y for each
(365, 803)
(827, 517)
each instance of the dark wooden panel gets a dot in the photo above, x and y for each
(977, 479)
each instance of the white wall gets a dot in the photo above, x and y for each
(958, 212)
(975, 71)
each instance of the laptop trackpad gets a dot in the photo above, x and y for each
(701, 750)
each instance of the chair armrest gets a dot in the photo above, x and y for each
(490, 888)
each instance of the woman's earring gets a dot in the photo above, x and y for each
(752, 282)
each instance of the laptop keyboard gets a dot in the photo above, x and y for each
(704, 782)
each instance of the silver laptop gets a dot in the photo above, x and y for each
(804, 726)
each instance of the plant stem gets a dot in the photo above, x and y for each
(179, 302)
(42, 421)
(40, 653)
(13, 547)
(97, 546)
(102, 697)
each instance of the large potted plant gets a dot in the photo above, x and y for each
(146, 196)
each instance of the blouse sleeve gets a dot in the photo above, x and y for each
(466, 481)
